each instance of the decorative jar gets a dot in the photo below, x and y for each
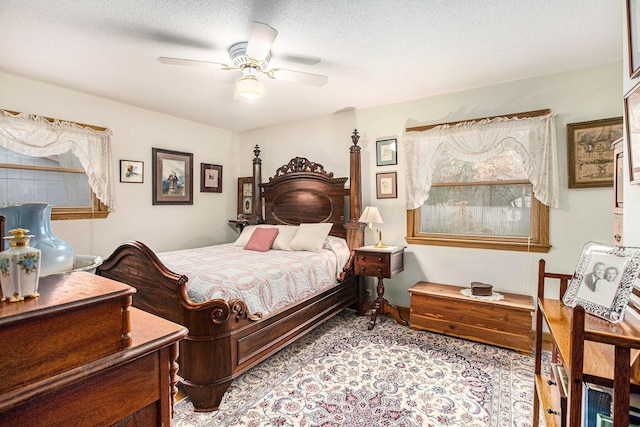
(19, 267)
(57, 255)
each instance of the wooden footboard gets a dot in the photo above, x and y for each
(224, 340)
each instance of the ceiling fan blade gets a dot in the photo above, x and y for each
(300, 59)
(260, 41)
(300, 77)
(190, 62)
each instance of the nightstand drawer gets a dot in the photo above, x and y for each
(373, 264)
(381, 263)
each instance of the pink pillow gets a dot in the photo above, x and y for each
(262, 239)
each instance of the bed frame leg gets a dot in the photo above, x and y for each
(206, 398)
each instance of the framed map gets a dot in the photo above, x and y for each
(590, 152)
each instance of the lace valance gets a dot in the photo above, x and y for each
(39, 137)
(533, 138)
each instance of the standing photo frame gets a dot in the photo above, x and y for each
(245, 197)
(590, 152)
(604, 280)
(210, 178)
(131, 171)
(632, 121)
(172, 177)
(633, 38)
(386, 152)
(386, 185)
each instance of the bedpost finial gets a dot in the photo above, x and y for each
(256, 151)
(355, 137)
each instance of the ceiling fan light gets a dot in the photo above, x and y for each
(249, 88)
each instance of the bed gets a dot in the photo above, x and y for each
(225, 337)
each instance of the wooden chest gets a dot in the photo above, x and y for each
(444, 309)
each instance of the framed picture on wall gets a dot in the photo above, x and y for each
(245, 197)
(386, 152)
(172, 177)
(590, 152)
(131, 171)
(632, 121)
(633, 41)
(210, 178)
(386, 185)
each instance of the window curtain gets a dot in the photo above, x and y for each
(38, 137)
(533, 138)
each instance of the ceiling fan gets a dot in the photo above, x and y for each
(252, 58)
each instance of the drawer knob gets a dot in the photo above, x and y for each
(379, 259)
(617, 237)
(551, 411)
(363, 268)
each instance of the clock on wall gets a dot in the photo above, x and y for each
(245, 197)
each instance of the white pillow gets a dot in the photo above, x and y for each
(246, 234)
(310, 237)
(284, 237)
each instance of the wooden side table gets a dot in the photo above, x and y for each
(240, 224)
(382, 263)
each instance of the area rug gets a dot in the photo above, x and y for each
(342, 374)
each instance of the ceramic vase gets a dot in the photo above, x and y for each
(19, 268)
(57, 255)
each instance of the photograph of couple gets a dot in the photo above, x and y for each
(600, 286)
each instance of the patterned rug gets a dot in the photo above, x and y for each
(342, 374)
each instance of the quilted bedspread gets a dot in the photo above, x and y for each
(265, 281)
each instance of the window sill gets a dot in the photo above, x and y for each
(480, 244)
(60, 213)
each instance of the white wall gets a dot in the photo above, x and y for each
(135, 132)
(585, 214)
(631, 205)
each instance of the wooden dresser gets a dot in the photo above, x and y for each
(81, 355)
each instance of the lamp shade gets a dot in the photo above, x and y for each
(249, 88)
(371, 215)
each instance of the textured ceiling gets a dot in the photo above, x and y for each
(374, 52)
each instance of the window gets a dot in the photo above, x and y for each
(483, 184)
(65, 164)
(485, 204)
(58, 180)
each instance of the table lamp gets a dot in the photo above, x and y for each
(371, 216)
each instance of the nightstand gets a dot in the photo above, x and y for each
(240, 224)
(382, 263)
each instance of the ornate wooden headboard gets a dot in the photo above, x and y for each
(303, 192)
